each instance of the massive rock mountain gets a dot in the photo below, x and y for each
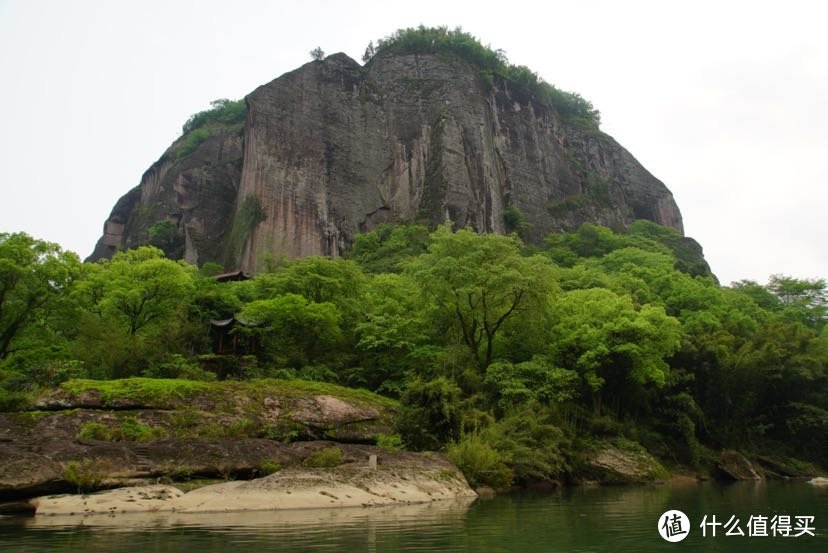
(335, 148)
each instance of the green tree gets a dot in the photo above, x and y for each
(137, 288)
(389, 332)
(431, 414)
(803, 299)
(319, 280)
(135, 307)
(34, 276)
(294, 331)
(370, 51)
(166, 236)
(317, 54)
(386, 248)
(477, 283)
(534, 380)
(615, 347)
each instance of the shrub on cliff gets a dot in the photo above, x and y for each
(224, 111)
(431, 40)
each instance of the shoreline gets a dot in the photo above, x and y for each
(288, 489)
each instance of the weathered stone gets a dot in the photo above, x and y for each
(333, 149)
(784, 468)
(400, 479)
(185, 438)
(330, 411)
(197, 193)
(732, 465)
(613, 465)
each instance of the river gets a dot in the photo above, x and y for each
(580, 519)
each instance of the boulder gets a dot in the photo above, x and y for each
(732, 465)
(616, 465)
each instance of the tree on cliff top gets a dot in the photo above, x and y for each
(318, 54)
(433, 40)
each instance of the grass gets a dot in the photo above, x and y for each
(324, 458)
(163, 393)
(269, 466)
(226, 409)
(130, 430)
(154, 392)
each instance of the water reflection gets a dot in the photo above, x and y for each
(452, 511)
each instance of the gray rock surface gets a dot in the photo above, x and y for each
(333, 148)
(732, 465)
(614, 465)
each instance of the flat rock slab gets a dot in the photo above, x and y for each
(123, 500)
(346, 486)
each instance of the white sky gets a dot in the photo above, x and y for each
(726, 102)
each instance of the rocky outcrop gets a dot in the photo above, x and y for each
(621, 464)
(107, 433)
(334, 148)
(197, 193)
(732, 465)
(398, 479)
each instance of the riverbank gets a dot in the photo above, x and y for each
(265, 444)
(398, 480)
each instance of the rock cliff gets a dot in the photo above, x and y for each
(334, 148)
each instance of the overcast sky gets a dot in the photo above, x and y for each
(726, 102)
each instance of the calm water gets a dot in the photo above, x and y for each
(620, 519)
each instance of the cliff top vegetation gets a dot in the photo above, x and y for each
(493, 64)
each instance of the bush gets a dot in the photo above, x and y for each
(223, 111)
(528, 442)
(269, 466)
(515, 221)
(13, 381)
(12, 401)
(432, 40)
(130, 430)
(134, 431)
(94, 431)
(391, 442)
(85, 475)
(243, 428)
(192, 142)
(431, 414)
(480, 462)
(53, 372)
(177, 366)
(166, 236)
(324, 458)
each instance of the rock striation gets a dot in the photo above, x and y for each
(334, 148)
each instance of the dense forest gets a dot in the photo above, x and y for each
(512, 359)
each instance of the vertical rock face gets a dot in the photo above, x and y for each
(334, 148)
(197, 193)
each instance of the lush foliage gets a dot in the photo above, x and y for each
(35, 280)
(491, 64)
(223, 113)
(515, 362)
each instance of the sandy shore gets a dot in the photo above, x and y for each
(287, 489)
